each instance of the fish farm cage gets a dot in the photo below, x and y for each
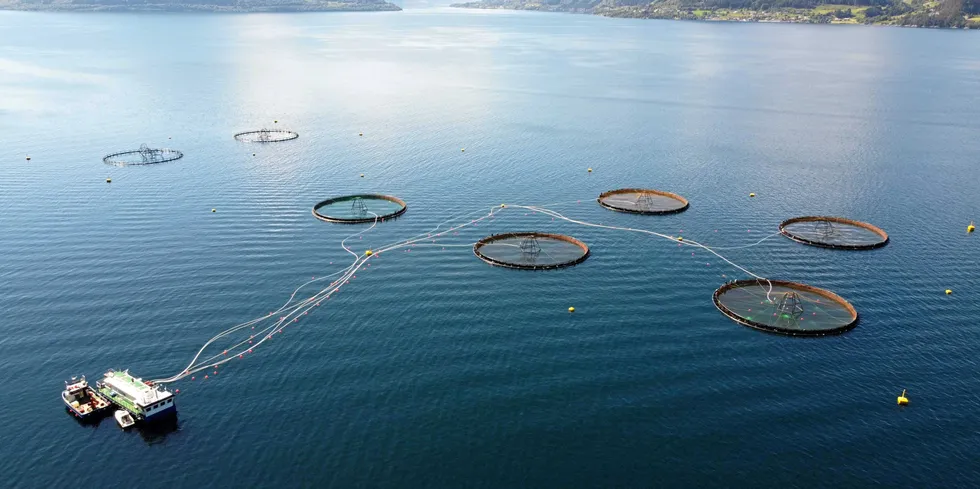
(782, 307)
(642, 201)
(531, 250)
(360, 208)
(143, 156)
(834, 232)
(266, 136)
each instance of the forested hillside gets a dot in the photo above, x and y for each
(918, 13)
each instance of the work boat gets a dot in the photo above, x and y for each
(82, 400)
(143, 400)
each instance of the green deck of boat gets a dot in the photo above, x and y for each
(121, 400)
(131, 381)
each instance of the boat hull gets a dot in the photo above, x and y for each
(169, 412)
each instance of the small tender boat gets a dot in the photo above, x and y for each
(82, 400)
(124, 419)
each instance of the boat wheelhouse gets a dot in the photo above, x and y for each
(82, 400)
(143, 400)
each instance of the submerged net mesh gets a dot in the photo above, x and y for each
(530, 250)
(359, 208)
(642, 201)
(788, 308)
(143, 156)
(834, 232)
(266, 136)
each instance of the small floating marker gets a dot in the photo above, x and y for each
(462, 150)
(28, 158)
(969, 229)
(571, 309)
(368, 253)
(108, 180)
(360, 134)
(275, 122)
(214, 210)
(503, 205)
(253, 154)
(752, 194)
(590, 170)
(948, 291)
(680, 238)
(902, 400)
(176, 391)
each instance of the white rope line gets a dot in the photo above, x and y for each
(290, 311)
(303, 307)
(685, 242)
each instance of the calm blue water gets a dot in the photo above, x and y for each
(431, 368)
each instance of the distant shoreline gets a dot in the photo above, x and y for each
(837, 14)
(185, 8)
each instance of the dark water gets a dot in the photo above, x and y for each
(431, 368)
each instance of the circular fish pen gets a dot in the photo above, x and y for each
(789, 308)
(143, 156)
(266, 136)
(642, 201)
(360, 208)
(531, 250)
(834, 232)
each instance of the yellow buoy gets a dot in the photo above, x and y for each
(571, 309)
(368, 253)
(902, 400)
(752, 194)
(680, 238)
(360, 134)
(28, 158)
(463, 150)
(362, 175)
(108, 180)
(971, 228)
(948, 291)
(590, 170)
(214, 210)
(275, 122)
(503, 205)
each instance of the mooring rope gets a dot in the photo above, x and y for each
(303, 307)
(681, 241)
(290, 312)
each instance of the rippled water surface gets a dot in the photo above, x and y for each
(432, 368)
